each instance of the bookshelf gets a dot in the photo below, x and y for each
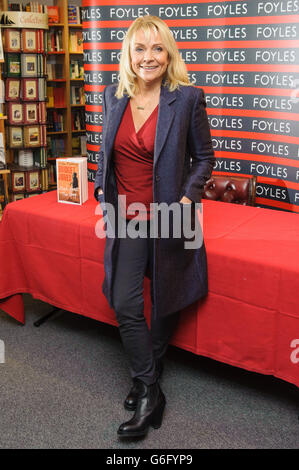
(65, 107)
(68, 75)
(24, 74)
(4, 172)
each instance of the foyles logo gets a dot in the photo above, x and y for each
(295, 354)
(295, 93)
(2, 352)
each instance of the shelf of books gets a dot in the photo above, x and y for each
(66, 104)
(25, 95)
(77, 97)
(44, 93)
(4, 172)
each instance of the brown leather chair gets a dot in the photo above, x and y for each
(234, 189)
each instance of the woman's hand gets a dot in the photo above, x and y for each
(100, 191)
(185, 200)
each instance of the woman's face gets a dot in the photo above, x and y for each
(149, 58)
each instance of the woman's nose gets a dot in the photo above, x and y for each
(147, 55)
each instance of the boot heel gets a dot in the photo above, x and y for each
(157, 416)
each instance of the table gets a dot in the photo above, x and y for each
(250, 318)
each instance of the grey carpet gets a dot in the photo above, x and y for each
(63, 384)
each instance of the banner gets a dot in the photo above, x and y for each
(244, 54)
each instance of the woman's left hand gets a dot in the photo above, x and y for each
(185, 200)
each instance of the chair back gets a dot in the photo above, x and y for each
(234, 189)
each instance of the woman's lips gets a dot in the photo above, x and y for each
(149, 67)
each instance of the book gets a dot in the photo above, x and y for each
(55, 121)
(53, 14)
(56, 147)
(30, 89)
(29, 40)
(83, 144)
(78, 120)
(42, 112)
(72, 185)
(54, 41)
(15, 113)
(15, 134)
(74, 14)
(30, 111)
(76, 68)
(76, 42)
(44, 180)
(76, 146)
(54, 71)
(77, 95)
(2, 152)
(32, 180)
(12, 89)
(12, 40)
(13, 65)
(42, 89)
(32, 136)
(29, 65)
(50, 95)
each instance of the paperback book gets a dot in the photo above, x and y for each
(72, 185)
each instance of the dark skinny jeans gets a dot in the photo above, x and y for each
(143, 346)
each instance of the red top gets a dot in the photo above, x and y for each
(133, 161)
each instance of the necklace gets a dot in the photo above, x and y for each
(143, 106)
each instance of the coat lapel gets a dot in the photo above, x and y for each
(113, 123)
(165, 118)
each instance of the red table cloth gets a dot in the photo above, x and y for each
(250, 317)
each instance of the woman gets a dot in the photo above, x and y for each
(156, 148)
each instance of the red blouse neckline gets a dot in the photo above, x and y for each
(145, 122)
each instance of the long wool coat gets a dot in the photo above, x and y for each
(183, 161)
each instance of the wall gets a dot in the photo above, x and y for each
(244, 54)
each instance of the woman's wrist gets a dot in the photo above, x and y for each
(185, 200)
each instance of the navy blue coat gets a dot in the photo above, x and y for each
(179, 275)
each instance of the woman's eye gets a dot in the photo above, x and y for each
(158, 49)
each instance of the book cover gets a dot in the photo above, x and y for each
(29, 65)
(15, 113)
(29, 40)
(32, 137)
(72, 186)
(12, 89)
(31, 113)
(53, 14)
(12, 40)
(30, 89)
(73, 17)
(13, 65)
(32, 180)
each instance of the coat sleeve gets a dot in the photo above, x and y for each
(98, 183)
(200, 148)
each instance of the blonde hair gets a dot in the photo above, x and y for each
(176, 73)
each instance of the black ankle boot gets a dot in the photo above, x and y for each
(149, 411)
(130, 402)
